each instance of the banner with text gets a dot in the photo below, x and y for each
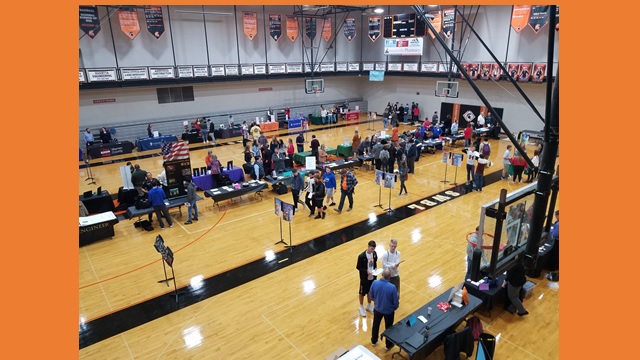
(155, 20)
(129, 23)
(374, 27)
(403, 46)
(448, 22)
(250, 24)
(436, 22)
(520, 17)
(275, 26)
(292, 28)
(539, 17)
(89, 21)
(310, 28)
(326, 29)
(350, 28)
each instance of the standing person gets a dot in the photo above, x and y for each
(403, 170)
(192, 207)
(257, 169)
(204, 130)
(322, 154)
(248, 154)
(290, 149)
(355, 141)
(434, 117)
(518, 163)
(468, 131)
(263, 142)
(255, 149)
(137, 179)
(385, 157)
(385, 117)
(88, 137)
(416, 114)
(315, 144)
(412, 154)
(447, 124)
(212, 128)
(244, 130)
(506, 162)
(400, 116)
(391, 261)
(485, 148)
(514, 281)
(375, 150)
(216, 169)
(255, 131)
(454, 127)
(296, 185)
(471, 157)
(308, 196)
(231, 121)
(273, 145)
(386, 302)
(533, 173)
(207, 159)
(329, 179)
(156, 198)
(481, 121)
(300, 142)
(348, 183)
(318, 196)
(105, 135)
(365, 265)
(323, 114)
(150, 130)
(406, 113)
(479, 175)
(471, 244)
(277, 159)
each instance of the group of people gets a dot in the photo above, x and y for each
(89, 139)
(393, 114)
(329, 116)
(320, 189)
(519, 165)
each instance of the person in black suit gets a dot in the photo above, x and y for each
(105, 135)
(514, 281)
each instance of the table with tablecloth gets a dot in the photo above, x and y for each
(299, 157)
(110, 149)
(344, 150)
(269, 126)
(97, 227)
(206, 182)
(295, 123)
(154, 142)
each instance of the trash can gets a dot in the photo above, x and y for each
(486, 347)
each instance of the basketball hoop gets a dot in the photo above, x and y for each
(445, 95)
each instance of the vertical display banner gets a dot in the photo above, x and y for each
(287, 211)
(326, 29)
(539, 73)
(524, 72)
(89, 21)
(310, 28)
(155, 20)
(374, 28)
(456, 159)
(436, 22)
(539, 17)
(129, 23)
(379, 176)
(389, 180)
(445, 155)
(520, 17)
(496, 72)
(485, 71)
(350, 28)
(250, 24)
(275, 26)
(277, 204)
(448, 22)
(292, 28)
(512, 70)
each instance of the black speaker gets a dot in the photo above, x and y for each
(475, 264)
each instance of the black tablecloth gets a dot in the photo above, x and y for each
(110, 149)
(338, 165)
(177, 201)
(95, 232)
(194, 137)
(488, 297)
(220, 194)
(440, 324)
(98, 203)
(228, 132)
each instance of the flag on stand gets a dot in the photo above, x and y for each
(174, 151)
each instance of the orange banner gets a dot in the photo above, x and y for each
(520, 17)
(455, 116)
(484, 110)
(129, 23)
(326, 29)
(292, 28)
(436, 22)
(250, 24)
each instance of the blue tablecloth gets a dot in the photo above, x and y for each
(154, 143)
(206, 182)
(295, 123)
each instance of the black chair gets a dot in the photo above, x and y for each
(196, 172)
(203, 170)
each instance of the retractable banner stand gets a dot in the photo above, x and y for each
(250, 24)
(292, 28)
(539, 17)
(89, 21)
(436, 22)
(155, 20)
(275, 26)
(374, 27)
(326, 29)
(448, 22)
(520, 17)
(310, 28)
(129, 23)
(350, 28)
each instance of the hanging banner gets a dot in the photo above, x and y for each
(436, 22)
(129, 23)
(374, 28)
(310, 28)
(448, 22)
(404, 46)
(485, 71)
(292, 28)
(250, 24)
(326, 29)
(520, 17)
(155, 20)
(512, 71)
(539, 73)
(350, 28)
(455, 113)
(524, 74)
(496, 72)
(275, 26)
(539, 17)
(89, 21)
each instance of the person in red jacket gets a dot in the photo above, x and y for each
(519, 164)
(468, 131)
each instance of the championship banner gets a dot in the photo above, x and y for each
(436, 22)
(89, 21)
(129, 23)
(539, 72)
(539, 17)
(292, 28)
(485, 70)
(496, 72)
(448, 22)
(250, 24)
(524, 74)
(374, 28)
(275, 26)
(155, 20)
(512, 71)
(350, 28)
(310, 28)
(326, 29)
(520, 17)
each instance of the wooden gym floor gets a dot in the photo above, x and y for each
(245, 297)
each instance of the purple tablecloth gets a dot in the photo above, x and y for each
(205, 182)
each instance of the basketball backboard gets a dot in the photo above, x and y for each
(447, 89)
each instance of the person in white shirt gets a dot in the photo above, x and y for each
(323, 114)
(472, 154)
(391, 261)
(454, 127)
(506, 161)
(231, 121)
(481, 121)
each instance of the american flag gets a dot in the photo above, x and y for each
(174, 151)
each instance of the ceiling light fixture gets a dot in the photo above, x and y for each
(378, 10)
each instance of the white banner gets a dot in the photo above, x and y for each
(293, 68)
(404, 46)
(367, 66)
(231, 69)
(381, 66)
(355, 67)
(185, 71)
(276, 69)
(135, 74)
(410, 67)
(101, 75)
(327, 67)
(341, 67)
(83, 78)
(161, 73)
(395, 66)
(217, 70)
(247, 69)
(429, 67)
(202, 71)
(260, 69)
